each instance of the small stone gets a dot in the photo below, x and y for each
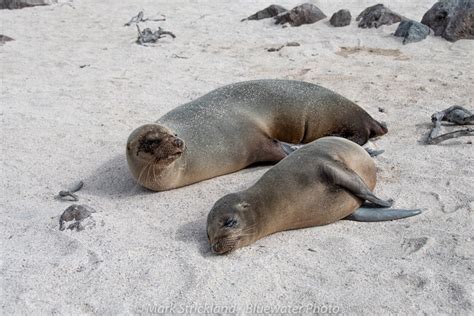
(75, 213)
(305, 13)
(341, 18)
(412, 31)
(292, 44)
(4, 39)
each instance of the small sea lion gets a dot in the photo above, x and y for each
(320, 183)
(240, 124)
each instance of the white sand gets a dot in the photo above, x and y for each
(62, 123)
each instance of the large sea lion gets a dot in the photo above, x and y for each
(318, 184)
(240, 124)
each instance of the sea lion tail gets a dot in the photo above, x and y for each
(369, 214)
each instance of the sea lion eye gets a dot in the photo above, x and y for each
(148, 145)
(230, 222)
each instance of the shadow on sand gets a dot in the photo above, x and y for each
(194, 232)
(113, 179)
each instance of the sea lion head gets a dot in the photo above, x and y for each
(153, 144)
(230, 224)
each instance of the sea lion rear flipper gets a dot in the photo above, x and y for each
(349, 180)
(365, 214)
(373, 152)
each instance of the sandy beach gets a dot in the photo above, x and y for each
(74, 84)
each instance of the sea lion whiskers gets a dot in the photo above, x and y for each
(156, 177)
(142, 172)
(148, 171)
(184, 164)
(231, 239)
(248, 230)
(225, 245)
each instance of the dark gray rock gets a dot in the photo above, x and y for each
(378, 15)
(4, 39)
(268, 12)
(341, 18)
(19, 4)
(412, 31)
(305, 13)
(76, 213)
(451, 19)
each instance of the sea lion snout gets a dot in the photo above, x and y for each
(218, 248)
(225, 244)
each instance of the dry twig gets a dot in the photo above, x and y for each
(69, 194)
(454, 114)
(148, 36)
(139, 18)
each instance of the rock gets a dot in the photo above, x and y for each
(4, 39)
(341, 18)
(412, 31)
(451, 19)
(75, 213)
(305, 13)
(19, 4)
(268, 12)
(378, 15)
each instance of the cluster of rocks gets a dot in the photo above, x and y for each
(305, 13)
(451, 19)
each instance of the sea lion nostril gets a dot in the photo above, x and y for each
(178, 142)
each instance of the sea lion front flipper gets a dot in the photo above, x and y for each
(349, 180)
(289, 148)
(365, 214)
